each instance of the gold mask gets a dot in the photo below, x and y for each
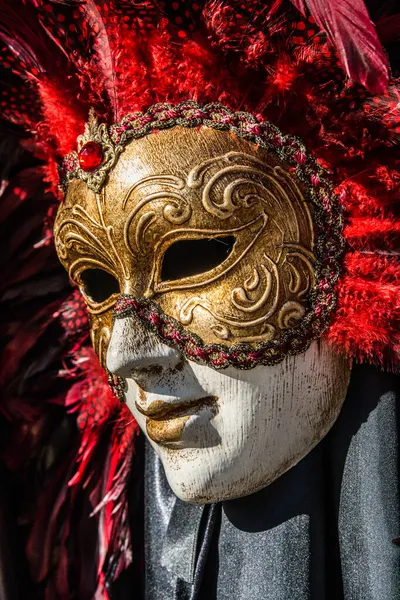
(217, 243)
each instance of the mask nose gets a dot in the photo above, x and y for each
(133, 349)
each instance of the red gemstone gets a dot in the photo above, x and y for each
(90, 156)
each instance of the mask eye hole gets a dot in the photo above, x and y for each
(186, 258)
(98, 285)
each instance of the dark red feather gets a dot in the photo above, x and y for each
(103, 56)
(22, 35)
(351, 31)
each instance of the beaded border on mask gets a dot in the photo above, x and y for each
(328, 224)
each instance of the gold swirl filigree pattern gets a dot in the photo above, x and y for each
(184, 184)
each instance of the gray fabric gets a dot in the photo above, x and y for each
(179, 554)
(210, 518)
(322, 531)
(369, 508)
(159, 503)
(272, 565)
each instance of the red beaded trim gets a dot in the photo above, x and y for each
(327, 225)
(242, 356)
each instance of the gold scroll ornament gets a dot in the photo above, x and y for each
(190, 184)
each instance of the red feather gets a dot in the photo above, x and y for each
(23, 36)
(103, 56)
(351, 31)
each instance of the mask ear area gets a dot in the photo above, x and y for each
(186, 258)
(99, 285)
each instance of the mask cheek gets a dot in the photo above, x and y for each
(268, 418)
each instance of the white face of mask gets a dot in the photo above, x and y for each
(225, 434)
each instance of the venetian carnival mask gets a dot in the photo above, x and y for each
(207, 248)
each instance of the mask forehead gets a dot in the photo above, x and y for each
(202, 184)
